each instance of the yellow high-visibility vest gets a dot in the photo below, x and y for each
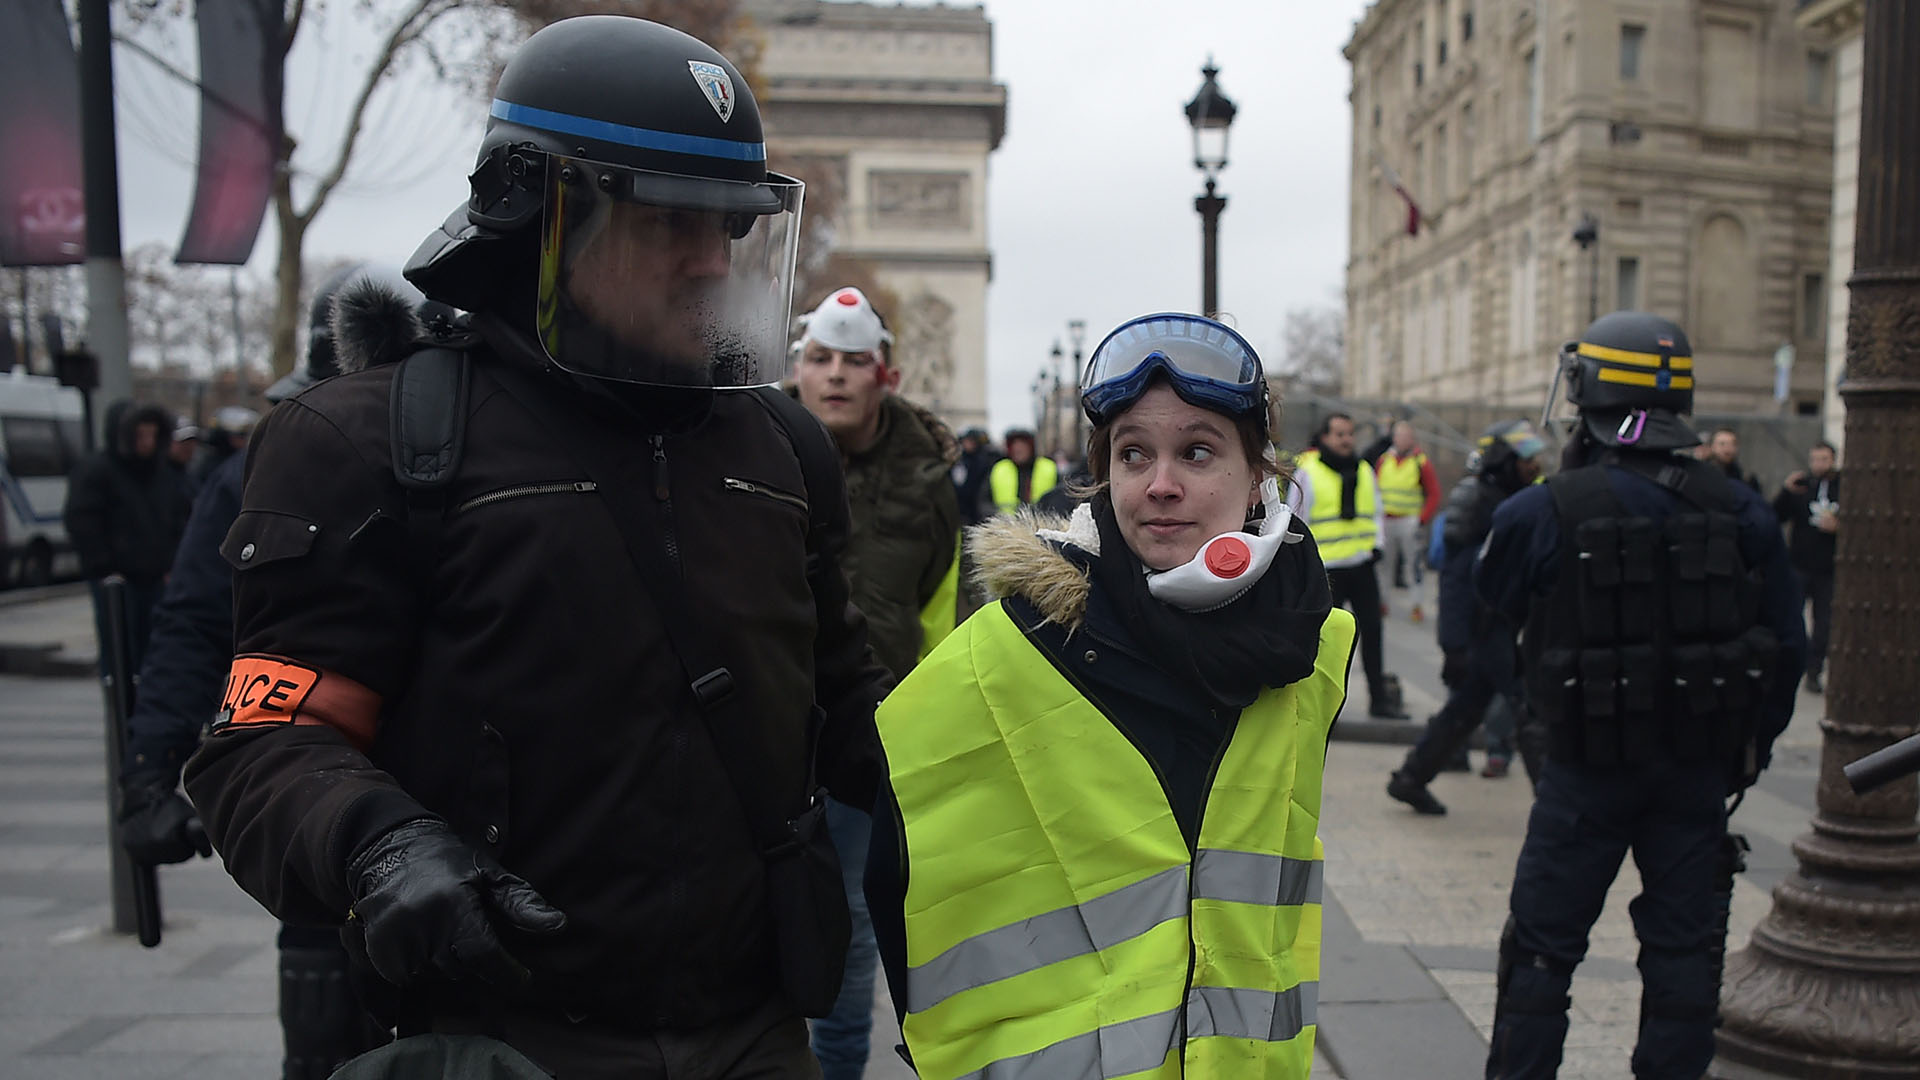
(1339, 538)
(1053, 909)
(1004, 482)
(937, 618)
(1401, 493)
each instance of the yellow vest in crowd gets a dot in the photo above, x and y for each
(1054, 912)
(1401, 493)
(1004, 481)
(1339, 538)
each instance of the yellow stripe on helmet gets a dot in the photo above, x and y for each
(1643, 378)
(1637, 359)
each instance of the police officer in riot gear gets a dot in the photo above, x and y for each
(516, 614)
(1661, 646)
(322, 1022)
(1506, 461)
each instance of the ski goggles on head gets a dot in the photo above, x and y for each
(1207, 364)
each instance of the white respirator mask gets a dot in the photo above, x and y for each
(1229, 564)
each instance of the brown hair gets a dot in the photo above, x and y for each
(1256, 436)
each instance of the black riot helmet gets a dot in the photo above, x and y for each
(623, 175)
(1631, 374)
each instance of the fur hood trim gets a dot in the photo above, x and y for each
(1020, 555)
(373, 324)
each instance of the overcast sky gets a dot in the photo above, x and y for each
(1090, 202)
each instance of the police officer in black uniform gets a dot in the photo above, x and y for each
(322, 1022)
(1662, 646)
(1508, 459)
(510, 612)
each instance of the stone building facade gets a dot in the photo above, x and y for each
(1697, 134)
(1833, 29)
(896, 108)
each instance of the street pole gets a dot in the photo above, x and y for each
(1593, 284)
(1830, 984)
(1077, 330)
(239, 346)
(1210, 206)
(106, 276)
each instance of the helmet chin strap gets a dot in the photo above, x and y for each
(1229, 564)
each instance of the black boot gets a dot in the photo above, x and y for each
(320, 1016)
(1415, 794)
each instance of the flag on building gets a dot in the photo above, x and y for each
(1393, 180)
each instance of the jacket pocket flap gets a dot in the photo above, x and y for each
(259, 537)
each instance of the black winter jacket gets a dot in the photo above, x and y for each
(124, 514)
(192, 638)
(527, 691)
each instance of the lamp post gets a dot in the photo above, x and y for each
(1587, 235)
(1829, 985)
(1077, 332)
(1210, 113)
(1050, 438)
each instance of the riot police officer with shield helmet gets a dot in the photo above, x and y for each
(1661, 644)
(540, 629)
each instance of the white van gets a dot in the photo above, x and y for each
(42, 437)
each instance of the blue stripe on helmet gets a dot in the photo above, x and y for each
(645, 138)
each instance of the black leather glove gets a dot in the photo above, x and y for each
(1454, 667)
(157, 823)
(430, 903)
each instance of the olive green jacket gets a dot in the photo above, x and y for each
(906, 525)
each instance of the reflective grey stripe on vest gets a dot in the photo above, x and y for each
(1061, 934)
(1115, 1050)
(1250, 878)
(1222, 1012)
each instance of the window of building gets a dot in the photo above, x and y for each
(1466, 144)
(1806, 408)
(1419, 52)
(1631, 39)
(1466, 22)
(1533, 95)
(1419, 171)
(1818, 72)
(1440, 31)
(1813, 305)
(1440, 177)
(1376, 116)
(1626, 284)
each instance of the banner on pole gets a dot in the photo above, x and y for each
(43, 218)
(241, 76)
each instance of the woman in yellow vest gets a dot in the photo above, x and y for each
(1098, 854)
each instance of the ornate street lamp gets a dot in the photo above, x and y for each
(1210, 113)
(1829, 985)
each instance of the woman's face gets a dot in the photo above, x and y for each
(1179, 477)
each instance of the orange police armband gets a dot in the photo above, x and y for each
(264, 690)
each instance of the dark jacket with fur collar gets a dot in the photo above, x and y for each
(528, 691)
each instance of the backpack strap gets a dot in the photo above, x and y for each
(819, 467)
(428, 424)
(1696, 482)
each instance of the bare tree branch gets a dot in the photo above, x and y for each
(415, 22)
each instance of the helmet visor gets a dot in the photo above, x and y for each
(1209, 365)
(666, 280)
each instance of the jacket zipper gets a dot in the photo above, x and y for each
(502, 495)
(764, 491)
(664, 495)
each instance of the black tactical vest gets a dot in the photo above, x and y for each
(1649, 646)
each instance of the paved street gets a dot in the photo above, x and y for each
(1414, 907)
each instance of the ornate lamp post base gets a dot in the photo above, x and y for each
(1830, 985)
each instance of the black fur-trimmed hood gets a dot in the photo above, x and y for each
(374, 324)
